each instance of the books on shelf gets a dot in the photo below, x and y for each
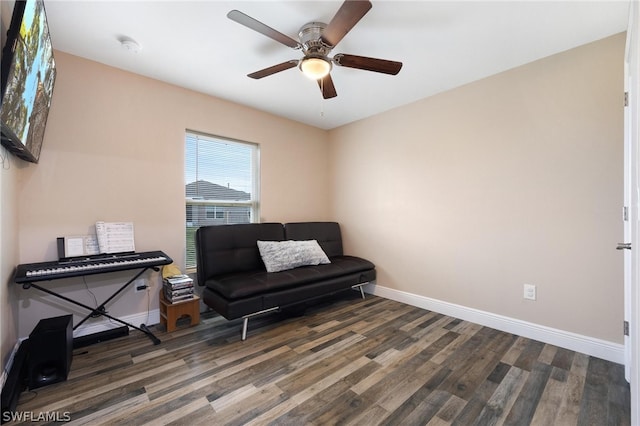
(178, 288)
(173, 298)
(178, 281)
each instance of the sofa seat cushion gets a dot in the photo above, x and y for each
(243, 284)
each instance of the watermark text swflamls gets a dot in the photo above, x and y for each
(32, 416)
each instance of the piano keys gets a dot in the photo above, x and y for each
(99, 264)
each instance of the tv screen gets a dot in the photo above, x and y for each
(28, 76)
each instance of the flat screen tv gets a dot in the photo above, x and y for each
(28, 75)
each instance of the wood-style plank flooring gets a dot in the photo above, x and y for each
(347, 361)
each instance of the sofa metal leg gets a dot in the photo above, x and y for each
(245, 320)
(360, 287)
(245, 324)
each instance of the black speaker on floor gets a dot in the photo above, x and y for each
(50, 351)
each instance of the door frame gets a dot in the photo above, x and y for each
(632, 197)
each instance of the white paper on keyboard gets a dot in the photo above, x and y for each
(115, 237)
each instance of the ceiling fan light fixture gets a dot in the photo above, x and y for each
(315, 68)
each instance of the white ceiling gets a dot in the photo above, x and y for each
(442, 45)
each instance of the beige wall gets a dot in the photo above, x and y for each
(461, 197)
(8, 253)
(114, 151)
(8, 229)
(465, 196)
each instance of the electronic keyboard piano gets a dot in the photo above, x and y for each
(29, 274)
(88, 265)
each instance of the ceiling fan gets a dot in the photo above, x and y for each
(316, 40)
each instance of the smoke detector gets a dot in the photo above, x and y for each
(130, 44)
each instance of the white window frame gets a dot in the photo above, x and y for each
(253, 203)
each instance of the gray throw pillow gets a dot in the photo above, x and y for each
(282, 255)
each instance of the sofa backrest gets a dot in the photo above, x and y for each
(223, 249)
(327, 233)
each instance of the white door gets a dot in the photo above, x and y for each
(629, 214)
(632, 197)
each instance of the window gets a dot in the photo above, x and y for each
(221, 184)
(215, 212)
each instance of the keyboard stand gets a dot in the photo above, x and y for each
(101, 309)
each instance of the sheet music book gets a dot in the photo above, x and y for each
(115, 237)
(80, 245)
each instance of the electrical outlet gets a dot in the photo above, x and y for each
(529, 292)
(140, 285)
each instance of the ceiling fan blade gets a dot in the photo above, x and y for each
(249, 22)
(327, 87)
(273, 69)
(369, 64)
(346, 18)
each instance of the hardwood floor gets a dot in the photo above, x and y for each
(350, 361)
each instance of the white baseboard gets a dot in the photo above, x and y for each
(609, 351)
(153, 317)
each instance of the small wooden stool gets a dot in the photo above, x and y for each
(171, 312)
